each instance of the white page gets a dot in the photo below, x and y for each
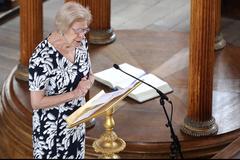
(108, 97)
(150, 79)
(127, 80)
(100, 102)
(108, 75)
(88, 113)
(117, 78)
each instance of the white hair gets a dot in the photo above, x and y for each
(69, 13)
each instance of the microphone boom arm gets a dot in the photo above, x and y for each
(162, 95)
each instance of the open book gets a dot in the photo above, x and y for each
(98, 105)
(115, 79)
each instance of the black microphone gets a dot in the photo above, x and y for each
(162, 95)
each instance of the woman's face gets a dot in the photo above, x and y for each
(77, 32)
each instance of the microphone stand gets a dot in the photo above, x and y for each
(175, 146)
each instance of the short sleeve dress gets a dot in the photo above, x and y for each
(51, 72)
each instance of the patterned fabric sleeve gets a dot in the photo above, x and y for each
(90, 64)
(89, 60)
(38, 71)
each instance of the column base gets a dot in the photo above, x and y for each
(101, 36)
(220, 42)
(199, 129)
(21, 73)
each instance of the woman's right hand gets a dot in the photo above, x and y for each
(81, 89)
(78, 92)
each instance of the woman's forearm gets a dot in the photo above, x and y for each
(38, 100)
(91, 78)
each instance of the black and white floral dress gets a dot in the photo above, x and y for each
(50, 71)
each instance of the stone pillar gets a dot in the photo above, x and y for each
(101, 31)
(31, 33)
(220, 43)
(199, 120)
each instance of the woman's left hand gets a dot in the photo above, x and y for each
(85, 84)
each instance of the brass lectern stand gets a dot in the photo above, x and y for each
(109, 143)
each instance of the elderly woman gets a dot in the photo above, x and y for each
(59, 77)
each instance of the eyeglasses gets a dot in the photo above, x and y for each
(81, 30)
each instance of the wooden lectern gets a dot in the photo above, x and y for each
(103, 103)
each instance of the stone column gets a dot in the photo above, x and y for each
(101, 31)
(31, 33)
(199, 120)
(220, 43)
